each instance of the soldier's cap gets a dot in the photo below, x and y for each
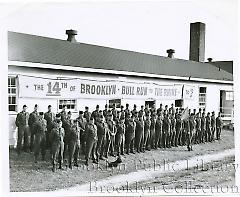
(69, 112)
(106, 105)
(213, 112)
(207, 113)
(80, 112)
(100, 111)
(91, 118)
(127, 104)
(58, 115)
(36, 105)
(134, 105)
(86, 107)
(122, 107)
(41, 113)
(58, 121)
(109, 111)
(97, 106)
(24, 106)
(49, 106)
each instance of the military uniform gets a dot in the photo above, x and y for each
(120, 137)
(203, 129)
(178, 140)
(213, 127)
(101, 142)
(190, 132)
(33, 117)
(91, 140)
(173, 130)
(66, 124)
(152, 131)
(74, 145)
(198, 136)
(147, 124)
(87, 115)
(23, 131)
(166, 132)
(130, 135)
(158, 131)
(40, 128)
(81, 124)
(57, 135)
(95, 115)
(208, 128)
(110, 138)
(139, 132)
(219, 124)
(49, 117)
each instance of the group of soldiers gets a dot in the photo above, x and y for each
(112, 132)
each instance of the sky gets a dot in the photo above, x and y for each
(145, 26)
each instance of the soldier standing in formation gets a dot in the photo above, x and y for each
(139, 133)
(23, 130)
(49, 116)
(33, 117)
(219, 124)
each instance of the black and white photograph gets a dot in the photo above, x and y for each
(119, 98)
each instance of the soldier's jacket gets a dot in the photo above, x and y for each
(120, 128)
(186, 126)
(173, 123)
(203, 123)
(74, 134)
(153, 112)
(147, 124)
(153, 123)
(178, 123)
(141, 113)
(208, 122)
(192, 125)
(159, 111)
(130, 126)
(198, 123)
(219, 122)
(114, 113)
(81, 123)
(213, 121)
(95, 115)
(57, 135)
(139, 125)
(166, 125)
(159, 123)
(134, 112)
(40, 127)
(127, 112)
(101, 128)
(147, 112)
(111, 127)
(49, 117)
(91, 131)
(87, 115)
(63, 115)
(33, 117)
(22, 119)
(105, 113)
(122, 114)
(67, 123)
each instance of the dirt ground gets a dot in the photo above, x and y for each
(27, 176)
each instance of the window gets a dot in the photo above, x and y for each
(229, 96)
(12, 94)
(117, 103)
(202, 97)
(71, 104)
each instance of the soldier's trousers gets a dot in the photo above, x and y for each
(173, 136)
(90, 148)
(57, 153)
(23, 135)
(101, 144)
(74, 149)
(110, 144)
(213, 133)
(138, 140)
(183, 137)
(48, 142)
(152, 138)
(32, 136)
(146, 139)
(178, 137)
(119, 143)
(203, 135)
(39, 144)
(158, 132)
(129, 142)
(219, 130)
(189, 140)
(83, 143)
(165, 137)
(208, 134)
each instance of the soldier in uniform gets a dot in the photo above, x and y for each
(81, 124)
(203, 128)
(101, 135)
(219, 124)
(158, 130)
(130, 134)
(40, 128)
(122, 113)
(139, 133)
(23, 130)
(153, 111)
(114, 112)
(105, 111)
(160, 109)
(127, 111)
(189, 125)
(110, 136)
(74, 144)
(66, 124)
(152, 130)
(91, 141)
(57, 135)
(87, 114)
(172, 108)
(49, 116)
(33, 117)
(147, 111)
(166, 131)
(166, 109)
(179, 123)
(120, 136)
(208, 127)
(198, 135)
(141, 112)
(213, 126)
(134, 111)
(96, 114)
(147, 124)
(173, 127)
(63, 113)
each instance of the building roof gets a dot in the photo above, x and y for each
(225, 65)
(37, 49)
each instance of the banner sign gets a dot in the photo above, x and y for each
(189, 92)
(34, 87)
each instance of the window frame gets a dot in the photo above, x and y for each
(202, 97)
(67, 104)
(12, 94)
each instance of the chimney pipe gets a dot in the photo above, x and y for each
(197, 42)
(170, 53)
(209, 59)
(71, 35)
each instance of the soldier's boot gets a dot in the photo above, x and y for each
(86, 162)
(60, 166)
(54, 168)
